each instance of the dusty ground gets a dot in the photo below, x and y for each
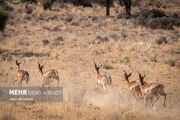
(73, 44)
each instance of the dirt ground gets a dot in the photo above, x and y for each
(67, 39)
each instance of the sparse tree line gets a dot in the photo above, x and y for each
(47, 4)
(155, 19)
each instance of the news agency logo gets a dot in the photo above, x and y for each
(38, 94)
(18, 92)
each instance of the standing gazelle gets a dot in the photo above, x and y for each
(102, 80)
(49, 76)
(152, 90)
(133, 86)
(20, 75)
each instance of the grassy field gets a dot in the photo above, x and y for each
(68, 38)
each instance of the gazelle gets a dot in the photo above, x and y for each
(49, 76)
(21, 75)
(133, 86)
(102, 80)
(152, 90)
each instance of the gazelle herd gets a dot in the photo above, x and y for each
(139, 89)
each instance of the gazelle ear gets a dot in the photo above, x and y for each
(144, 76)
(44, 64)
(129, 74)
(95, 65)
(140, 76)
(18, 63)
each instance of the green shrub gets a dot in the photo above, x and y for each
(156, 19)
(107, 66)
(125, 60)
(170, 62)
(68, 18)
(23, 1)
(113, 61)
(3, 18)
(157, 13)
(160, 23)
(47, 4)
(153, 59)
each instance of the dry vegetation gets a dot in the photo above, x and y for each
(68, 38)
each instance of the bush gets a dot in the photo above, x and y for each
(47, 4)
(45, 42)
(156, 19)
(107, 66)
(153, 59)
(2, 1)
(31, 1)
(69, 18)
(125, 60)
(157, 13)
(170, 62)
(3, 18)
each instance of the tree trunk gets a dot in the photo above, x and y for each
(128, 6)
(108, 2)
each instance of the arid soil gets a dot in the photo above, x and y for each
(67, 39)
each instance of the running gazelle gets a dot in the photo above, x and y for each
(102, 80)
(21, 75)
(132, 85)
(49, 76)
(151, 91)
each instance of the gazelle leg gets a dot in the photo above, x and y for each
(96, 85)
(57, 82)
(155, 101)
(20, 83)
(104, 88)
(165, 95)
(145, 100)
(26, 82)
(139, 96)
(16, 79)
(134, 95)
(14, 82)
(43, 85)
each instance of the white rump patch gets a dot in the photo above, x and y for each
(99, 81)
(56, 72)
(107, 75)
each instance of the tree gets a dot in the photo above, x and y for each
(108, 2)
(128, 6)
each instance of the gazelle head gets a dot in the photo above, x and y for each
(127, 75)
(141, 78)
(40, 67)
(18, 64)
(96, 67)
